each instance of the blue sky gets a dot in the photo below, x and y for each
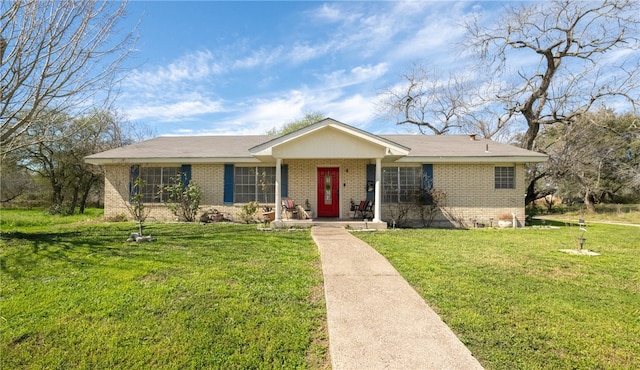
(210, 67)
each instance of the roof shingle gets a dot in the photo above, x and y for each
(219, 148)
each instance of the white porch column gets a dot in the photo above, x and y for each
(377, 208)
(278, 192)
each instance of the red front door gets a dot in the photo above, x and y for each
(328, 192)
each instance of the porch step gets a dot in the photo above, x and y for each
(340, 223)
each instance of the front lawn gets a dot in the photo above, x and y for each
(75, 295)
(517, 302)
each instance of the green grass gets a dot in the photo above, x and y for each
(29, 219)
(75, 295)
(517, 302)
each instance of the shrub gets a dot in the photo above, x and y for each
(183, 201)
(119, 217)
(136, 207)
(437, 200)
(248, 211)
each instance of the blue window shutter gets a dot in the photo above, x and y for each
(185, 175)
(228, 183)
(134, 174)
(284, 173)
(371, 178)
(427, 183)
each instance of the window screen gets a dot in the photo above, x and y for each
(254, 184)
(505, 177)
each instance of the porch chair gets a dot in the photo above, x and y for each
(289, 206)
(365, 208)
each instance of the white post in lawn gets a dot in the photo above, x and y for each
(378, 196)
(278, 192)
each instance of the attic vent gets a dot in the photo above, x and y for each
(472, 137)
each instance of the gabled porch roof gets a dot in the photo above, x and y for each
(328, 139)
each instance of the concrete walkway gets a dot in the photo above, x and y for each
(376, 319)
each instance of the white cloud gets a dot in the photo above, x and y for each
(333, 13)
(259, 115)
(355, 28)
(436, 36)
(300, 53)
(356, 110)
(328, 13)
(173, 92)
(411, 7)
(190, 67)
(278, 110)
(355, 76)
(309, 70)
(168, 112)
(623, 55)
(259, 58)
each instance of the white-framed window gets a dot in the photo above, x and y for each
(505, 178)
(254, 184)
(155, 179)
(401, 184)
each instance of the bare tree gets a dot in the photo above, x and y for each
(444, 104)
(555, 61)
(61, 162)
(56, 56)
(542, 63)
(582, 53)
(424, 99)
(15, 182)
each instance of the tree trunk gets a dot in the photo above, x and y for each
(527, 143)
(85, 193)
(587, 200)
(83, 201)
(529, 137)
(56, 196)
(74, 201)
(531, 192)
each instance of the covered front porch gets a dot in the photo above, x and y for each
(330, 166)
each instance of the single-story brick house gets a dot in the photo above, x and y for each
(328, 166)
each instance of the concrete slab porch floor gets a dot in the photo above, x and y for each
(345, 223)
(376, 320)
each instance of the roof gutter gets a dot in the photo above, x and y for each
(177, 160)
(470, 159)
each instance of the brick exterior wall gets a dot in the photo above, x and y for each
(470, 189)
(471, 192)
(210, 178)
(116, 191)
(116, 194)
